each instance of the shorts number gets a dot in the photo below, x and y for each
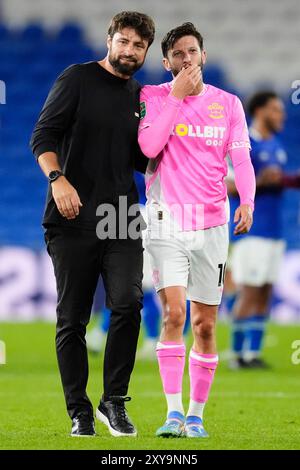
(222, 268)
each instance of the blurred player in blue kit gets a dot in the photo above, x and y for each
(256, 257)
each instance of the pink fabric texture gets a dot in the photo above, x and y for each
(171, 361)
(244, 176)
(154, 141)
(189, 140)
(202, 369)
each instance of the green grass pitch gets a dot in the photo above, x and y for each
(246, 410)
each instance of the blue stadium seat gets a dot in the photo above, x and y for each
(4, 32)
(70, 33)
(33, 33)
(214, 75)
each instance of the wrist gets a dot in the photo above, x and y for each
(54, 175)
(176, 97)
(250, 204)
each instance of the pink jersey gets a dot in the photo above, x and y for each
(189, 170)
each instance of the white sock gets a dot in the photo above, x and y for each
(174, 401)
(196, 409)
(249, 355)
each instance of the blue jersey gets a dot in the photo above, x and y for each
(268, 205)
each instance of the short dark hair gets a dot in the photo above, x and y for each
(141, 23)
(259, 100)
(186, 29)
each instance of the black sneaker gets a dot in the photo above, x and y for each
(113, 414)
(258, 363)
(83, 425)
(238, 363)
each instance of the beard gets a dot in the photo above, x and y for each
(175, 71)
(124, 68)
(271, 126)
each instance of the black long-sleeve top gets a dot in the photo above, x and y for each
(90, 120)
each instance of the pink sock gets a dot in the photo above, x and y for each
(202, 369)
(171, 359)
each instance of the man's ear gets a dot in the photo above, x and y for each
(166, 64)
(204, 56)
(108, 42)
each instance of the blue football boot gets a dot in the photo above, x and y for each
(194, 427)
(173, 427)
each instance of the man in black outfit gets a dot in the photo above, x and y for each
(86, 144)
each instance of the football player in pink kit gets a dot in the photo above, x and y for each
(187, 128)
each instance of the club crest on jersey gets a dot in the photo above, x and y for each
(143, 111)
(216, 111)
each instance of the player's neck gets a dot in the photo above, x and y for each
(198, 89)
(262, 129)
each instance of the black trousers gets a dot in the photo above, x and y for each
(79, 257)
